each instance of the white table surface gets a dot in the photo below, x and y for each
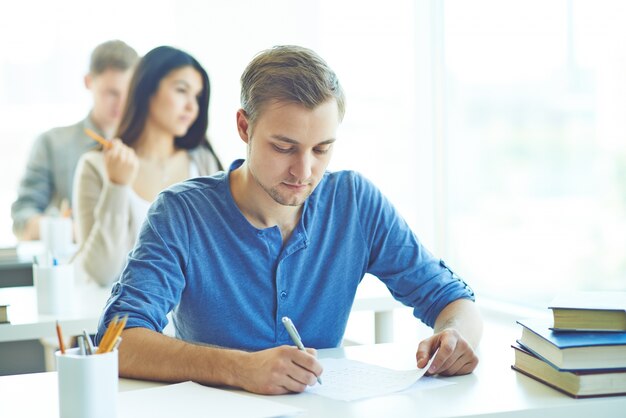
(27, 324)
(493, 390)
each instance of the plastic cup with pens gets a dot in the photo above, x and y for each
(54, 286)
(88, 375)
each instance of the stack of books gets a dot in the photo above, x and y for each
(582, 350)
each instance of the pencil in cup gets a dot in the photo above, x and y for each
(105, 144)
(111, 335)
(60, 337)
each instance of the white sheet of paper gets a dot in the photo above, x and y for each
(191, 399)
(349, 380)
(428, 382)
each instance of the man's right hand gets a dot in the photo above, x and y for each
(279, 370)
(121, 162)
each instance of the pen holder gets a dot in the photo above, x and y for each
(88, 385)
(54, 286)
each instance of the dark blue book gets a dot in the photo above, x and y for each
(573, 350)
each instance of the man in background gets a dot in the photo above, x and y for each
(47, 181)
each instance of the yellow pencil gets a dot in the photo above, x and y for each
(108, 334)
(105, 144)
(116, 334)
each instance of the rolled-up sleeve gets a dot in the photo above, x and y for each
(411, 273)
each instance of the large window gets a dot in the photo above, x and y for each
(535, 145)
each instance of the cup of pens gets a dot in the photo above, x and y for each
(88, 376)
(87, 384)
(54, 286)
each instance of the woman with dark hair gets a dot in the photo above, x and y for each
(161, 140)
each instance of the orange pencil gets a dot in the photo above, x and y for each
(60, 336)
(106, 144)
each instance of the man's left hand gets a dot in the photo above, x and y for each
(455, 356)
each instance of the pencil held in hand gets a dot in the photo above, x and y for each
(105, 144)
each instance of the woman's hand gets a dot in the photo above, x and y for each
(121, 162)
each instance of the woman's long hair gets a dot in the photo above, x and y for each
(151, 69)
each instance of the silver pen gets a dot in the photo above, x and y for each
(81, 345)
(88, 344)
(295, 337)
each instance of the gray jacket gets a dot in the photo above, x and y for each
(50, 170)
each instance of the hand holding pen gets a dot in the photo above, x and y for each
(295, 337)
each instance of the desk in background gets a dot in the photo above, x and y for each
(493, 390)
(25, 345)
(27, 324)
(16, 263)
(16, 272)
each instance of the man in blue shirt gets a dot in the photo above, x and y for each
(277, 235)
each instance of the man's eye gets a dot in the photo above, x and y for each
(321, 150)
(282, 150)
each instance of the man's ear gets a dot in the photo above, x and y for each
(243, 125)
(87, 79)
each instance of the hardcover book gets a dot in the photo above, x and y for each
(590, 311)
(578, 384)
(574, 350)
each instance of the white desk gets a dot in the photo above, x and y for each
(27, 324)
(493, 390)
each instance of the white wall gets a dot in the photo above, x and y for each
(46, 46)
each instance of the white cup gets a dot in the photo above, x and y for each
(54, 286)
(88, 385)
(57, 235)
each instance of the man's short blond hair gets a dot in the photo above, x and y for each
(291, 74)
(115, 55)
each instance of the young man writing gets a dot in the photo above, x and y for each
(49, 173)
(277, 236)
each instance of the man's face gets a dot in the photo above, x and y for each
(289, 148)
(109, 90)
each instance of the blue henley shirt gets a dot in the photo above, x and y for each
(229, 283)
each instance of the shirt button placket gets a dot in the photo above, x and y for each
(282, 309)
